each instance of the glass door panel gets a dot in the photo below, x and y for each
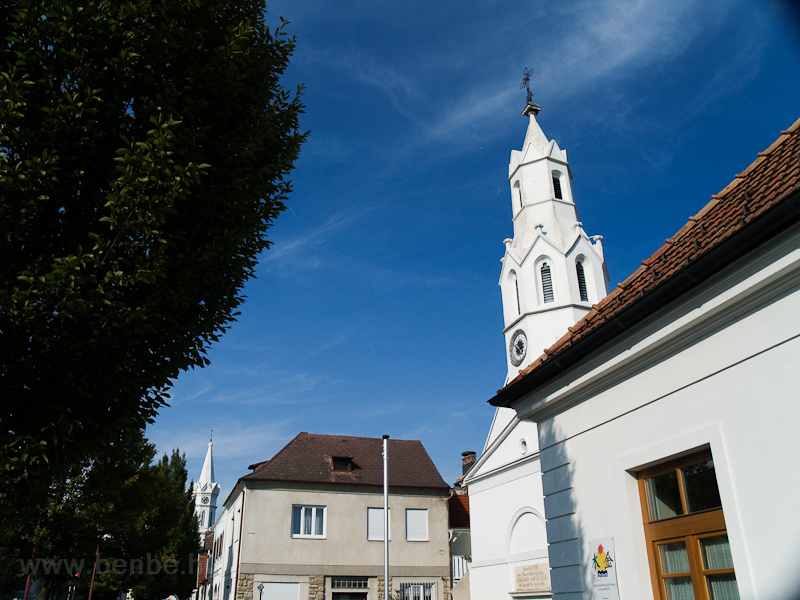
(716, 552)
(722, 587)
(674, 558)
(679, 588)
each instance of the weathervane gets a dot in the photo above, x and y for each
(526, 83)
(531, 108)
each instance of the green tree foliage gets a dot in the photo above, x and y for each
(144, 152)
(135, 509)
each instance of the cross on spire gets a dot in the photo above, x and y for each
(526, 82)
(530, 105)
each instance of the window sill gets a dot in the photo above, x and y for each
(309, 537)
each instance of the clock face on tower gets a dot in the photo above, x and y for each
(205, 500)
(518, 347)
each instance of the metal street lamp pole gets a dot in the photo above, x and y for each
(385, 517)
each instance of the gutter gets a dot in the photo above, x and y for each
(780, 217)
(239, 548)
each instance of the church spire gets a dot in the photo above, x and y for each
(206, 491)
(207, 474)
(552, 271)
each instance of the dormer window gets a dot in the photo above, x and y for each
(342, 463)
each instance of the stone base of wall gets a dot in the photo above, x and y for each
(316, 587)
(448, 591)
(380, 588)
(244, 587)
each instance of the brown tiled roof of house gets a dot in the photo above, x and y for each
(458, 506)
(759, 203)
(308, 458)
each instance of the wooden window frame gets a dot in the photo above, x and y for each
(690, 528)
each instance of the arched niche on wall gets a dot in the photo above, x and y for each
(527, 531)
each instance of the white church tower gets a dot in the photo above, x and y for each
(552, 274)
(206, 491)
(552, 271)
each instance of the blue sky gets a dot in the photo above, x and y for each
(377, 310)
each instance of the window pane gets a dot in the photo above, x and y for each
(319, 512)
(723, 587)
(375, 523)
(306, 520)
(417, 525)
(664, 496)
(716, 553)
(700, 483)
(296, 510)
(679, 588)
(674, 558)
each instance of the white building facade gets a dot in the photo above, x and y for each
(667, 418)
(308, 524)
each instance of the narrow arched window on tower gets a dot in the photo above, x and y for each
(547, 284)
(557, 186)
(519, 305)
(518, 192)
(581, 281)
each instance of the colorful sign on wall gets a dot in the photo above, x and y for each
(603, 568)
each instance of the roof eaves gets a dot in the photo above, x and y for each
(735, 239)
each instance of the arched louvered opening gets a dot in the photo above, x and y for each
(581, 281)
(547, 284)
(557, 186)
(518, 192)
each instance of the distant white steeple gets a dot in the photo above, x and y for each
(206, 491)
(552, 271)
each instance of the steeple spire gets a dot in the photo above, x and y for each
(552, 271)
(206, 491)
(207, 474)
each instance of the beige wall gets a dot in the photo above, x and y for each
(268, 548)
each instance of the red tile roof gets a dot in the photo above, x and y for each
(458, 506)
(308, 459)
(759, 203)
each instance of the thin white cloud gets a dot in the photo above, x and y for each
(401, 90)
(617, 39)
(598, 42)
(285, 254)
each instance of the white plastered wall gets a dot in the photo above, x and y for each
(718, 370)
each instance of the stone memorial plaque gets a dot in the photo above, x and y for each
(532, 578)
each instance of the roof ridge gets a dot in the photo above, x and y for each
(356, 437)
(279, 452)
